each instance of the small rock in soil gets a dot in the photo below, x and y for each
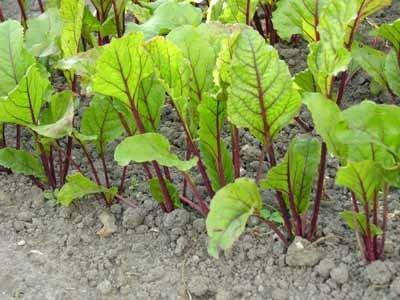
(378, 273)
(280, 294)
(178, 219)
(395, 287)
(199, 225)
(19, 226)
(105, 287)
(108, 221)
(199, 285)
(302, 254)
(116, 209)
(325, 266)
(181, 244)
(25, 216)
(133, 217)
(340, 274)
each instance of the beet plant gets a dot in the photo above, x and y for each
(221, 77)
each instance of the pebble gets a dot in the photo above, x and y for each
(378, 273)
(280, 294)
(199, 225)
(21, 243)
(133, 217)
(340, 274)
(181, 244)
(302, 254)
(324, 267)
(105, 287)
(19, 226)
(199, 285)
(395, 286)
(177, 218)
(108, 221)
(25, 216)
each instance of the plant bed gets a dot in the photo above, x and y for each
(140, 251)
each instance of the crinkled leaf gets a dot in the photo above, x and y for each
(121, 67)
(71, 14)
(217, 159)
(60, 127)
(296, 172)
(101, 119)
(328, 56)
(168, 16)
(79, 186)
(157, 194)
(22, 162)
(230, 210)
(58, 105)
(298, 17)
(305, 81)
(149, 147)
(372, 61)
(43, 33)
(392, 71)
(150, 100)
(23, 104)
(170, 67)
(371, 132)
(391, 32)
(261, 95)
(364, 178)
(14, 59)
(358, 222)
(326, 117)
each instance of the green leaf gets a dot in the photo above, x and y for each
(372, 61)
(238, 11)
(326, 117)
(142, 14)
(328, 56)
(230, 209)
(305, 81)
(157, 194)
(168, 16)
(22, 162)
(358, 222)
(23, 104)
(363, 178)
(200, 57)
(14, 59)
(43, 33)
(371, 132)
(171, 70)
(61, 127)
(271, 216)
(261, 95)
(296, 172)
(101, 119)
(150, 147)
(78, 186)
(392, 72)
(58, 105)
(90, 24)
(297, 17)
(217, 159)
(71, 14)
(121, 67)
(391, 32)
(150, 100)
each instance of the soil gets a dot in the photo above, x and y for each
(51, 252)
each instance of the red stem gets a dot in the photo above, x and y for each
(105, 169)
(236, 151)
(117, 17)
(319, 192)
(121, 185)
(203, 205)
(191, 203)
(275, 229)
(2, 18)
(23, 14)
(41, 6)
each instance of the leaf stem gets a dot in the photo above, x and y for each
(18, 137)
(236, 151)
(41, 6)
(275, 229)
(202, 204)
(319, 191)
(23, 14)
(2, 18)
(117, 18)
(105, 169)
